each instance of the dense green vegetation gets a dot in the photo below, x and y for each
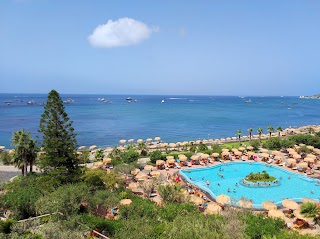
(310, 210)
(79, 200)
(259, 177)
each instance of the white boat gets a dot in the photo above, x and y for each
(68, 101)
(129, 98)
(162, 101)
(31, 102)
(248, 101)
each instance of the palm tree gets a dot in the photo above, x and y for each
(270, 130)
(239, 132)
(279, 129)
(24, 150)
(260, 131)
(250, 134)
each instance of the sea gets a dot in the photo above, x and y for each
(173, 118)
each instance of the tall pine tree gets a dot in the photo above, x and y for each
(58, 141)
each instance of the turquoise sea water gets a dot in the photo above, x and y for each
(291, 185)
(179, 118)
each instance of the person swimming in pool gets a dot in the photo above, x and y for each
(234, 191)
(229, 190)
(207, 182)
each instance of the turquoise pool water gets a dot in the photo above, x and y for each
(291, 185)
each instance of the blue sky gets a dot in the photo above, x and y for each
(160, 47)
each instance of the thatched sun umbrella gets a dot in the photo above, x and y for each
(204, 156)
(108, 150)
(141, 175)
(183, 159)
(160, 162)
(140, 141)
(311, 156)
(169, 157)
(310, 160)
(292, 162)
(225, 150)
(244, 203)
(196, 200)
(157, 138)
(276, 214)
(249, 148)
(133, 186)
(155, 174)
(288, 203)
(131, 141)
(92, 147)
(238, 153)
(107, 160)
(276, 152)
(170, 161)
(269, 206)
(135, 171)
(148, 140)
(264, 150)
(148, 167)
(125, 202)
(223, 199)
(265, 155)
(302, 165)
(215, 155)
(296, 156)
(241, 149)
(310, 200)
(195, 157)
(122, 141)
(310, 147)
(213, 208)
(80, 148)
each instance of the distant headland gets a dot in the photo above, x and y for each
(310, 97)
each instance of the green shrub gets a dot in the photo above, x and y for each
(272, 143)
(23, 192)
(216, 148)
(287, 143)
(304, 149)
(5, 226)
(255, 144)
(85, 156)
(156, 155)
(99, 155)
(5, 158)
(257, 225)
(202, 147)
(309, 209)
(66, 200)
(129, 156)
(193, 149)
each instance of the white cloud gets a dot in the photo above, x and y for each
(122, 32)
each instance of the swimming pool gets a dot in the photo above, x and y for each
(291, 185)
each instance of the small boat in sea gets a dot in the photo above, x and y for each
(31, 102)
(68, 101)
(162, 101)
(248, 101)
(129, 98)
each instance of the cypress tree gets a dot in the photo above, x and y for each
(58, 141)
